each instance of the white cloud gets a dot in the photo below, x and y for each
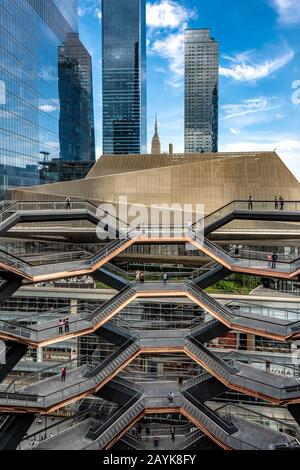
(167, 20)
(48, 108)
(167, 14)
(245, 69)
(250, 106)
(171, 48)
(90, 7)
(252, 112)
(288, 10)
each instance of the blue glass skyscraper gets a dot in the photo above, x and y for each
(32, 34)
(124, 76)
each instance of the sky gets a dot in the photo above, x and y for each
(259, 88)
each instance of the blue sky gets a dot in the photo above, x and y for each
(259, 70)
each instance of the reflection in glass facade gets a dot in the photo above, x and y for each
(32, 33)
(201, 91)
(124, 77)
(76, 122)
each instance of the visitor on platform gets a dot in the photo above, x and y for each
(68, 203)
(63, 374)
(274, 260)
(171, 398)
(60, 326)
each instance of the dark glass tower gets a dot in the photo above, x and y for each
(32, 33)
(201, 91)
(77, 135)
(124, 77)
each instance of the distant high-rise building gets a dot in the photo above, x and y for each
(34, 110)
(156, 147)
(76, 123)
(124, 76)
(201, 91)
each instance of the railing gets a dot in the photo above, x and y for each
(226, 369)
(228, 314)
(45, 400)
(28, 269)
(108, 306)
(194, 437)
(40, 260)
(207, 268)
(259, 419)
(261, 255)
(132, 321)
(215, 429)
(36, 206)
(119, 379)
(15, 263)
(196, 380)
(243, 206)
(230, 373)
(126, 349)
(285, 370)
(116, 424)
(223, 423)
(51, 330)
(234, 206)
(254, 262)
(59, 427)
(54, 369)
(209, 301)
(278, 313)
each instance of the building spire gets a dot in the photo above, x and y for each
(156, 147)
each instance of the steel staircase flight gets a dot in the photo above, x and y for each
(90, 320)
(239, 210)
(86, 380)
(243, 265)
(130, 442)
(215, 427)
(240, 377)
(63, 270)
(24, 211)
(256, 324)
(117, 425)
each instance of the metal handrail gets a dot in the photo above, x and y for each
(94, 434)
(93, 371)
(286, 389)
(42, 371)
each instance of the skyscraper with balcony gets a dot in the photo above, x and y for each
(33, 107)
(124, 77)
(201, 91)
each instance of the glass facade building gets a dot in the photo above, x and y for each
(76, 123)
(124, 76)
(32, 105)
(201, 91)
